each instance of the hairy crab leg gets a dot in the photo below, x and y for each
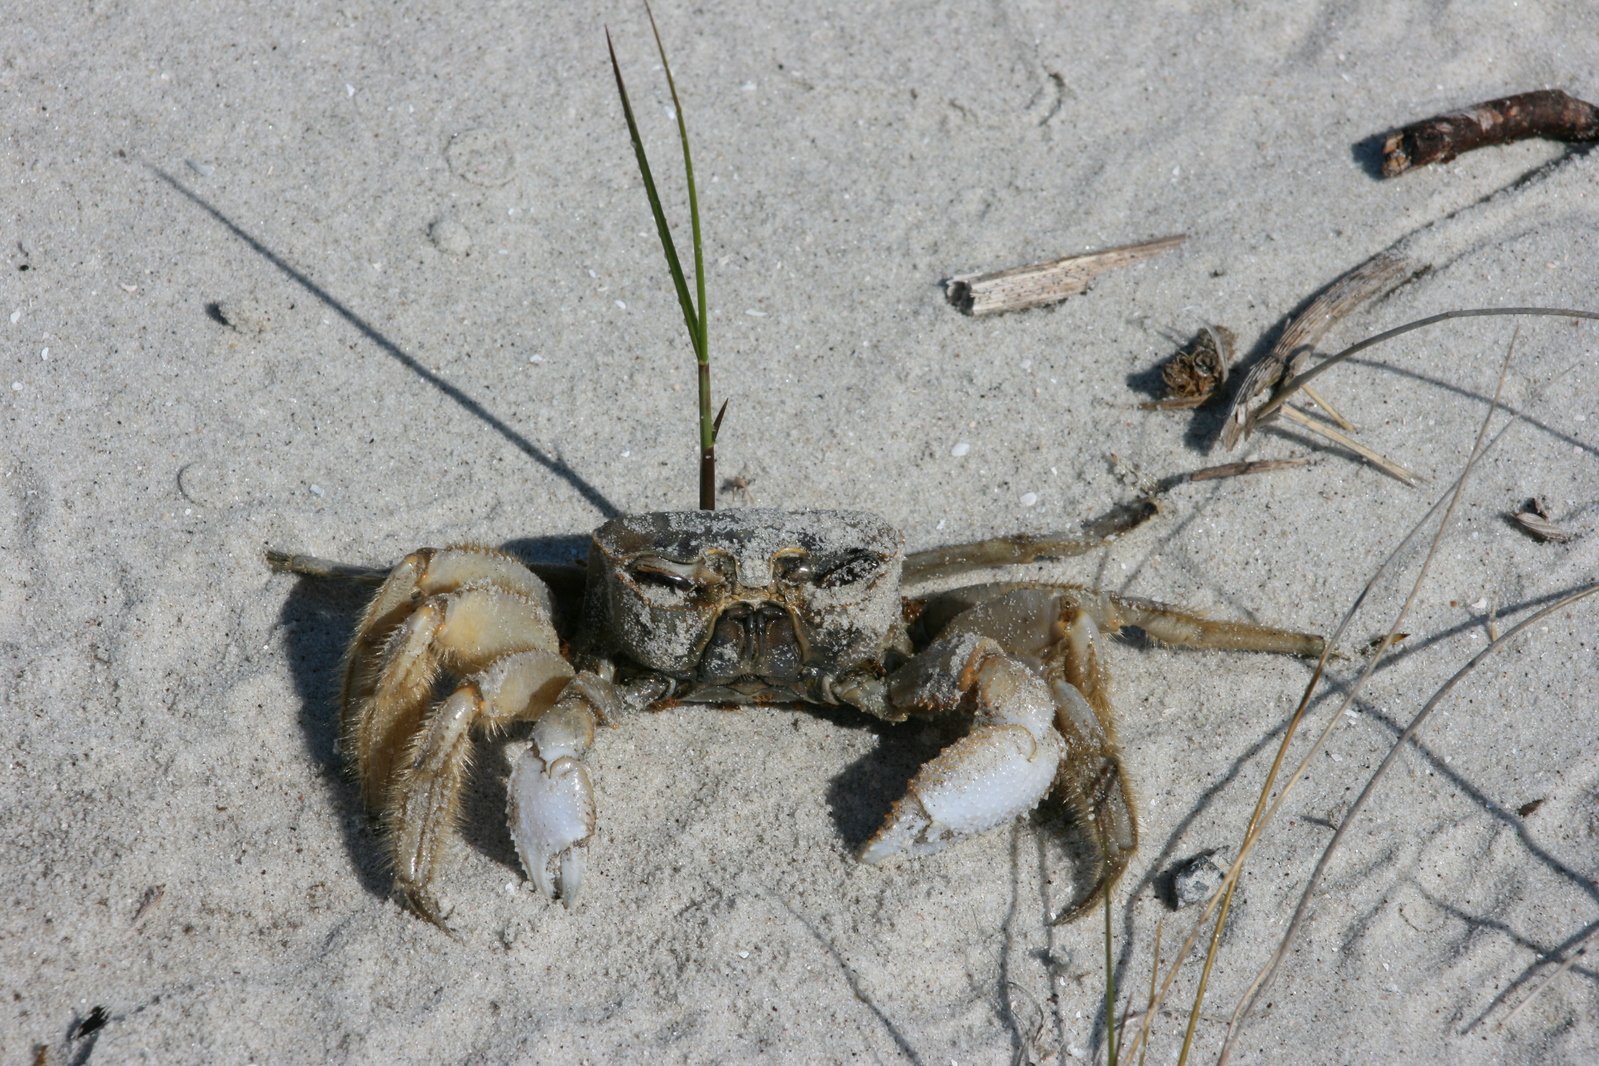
(459, 631)
(422, 804)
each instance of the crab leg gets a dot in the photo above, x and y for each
(422, 804)
(1055, 632)
(394, 659)
(1026, 548)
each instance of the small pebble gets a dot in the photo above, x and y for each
(960, 449)
(316, 490)
(1195, 881)
(1029, 499)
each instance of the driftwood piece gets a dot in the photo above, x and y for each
(1045, 283)
(1547, 113)
(1377, 275)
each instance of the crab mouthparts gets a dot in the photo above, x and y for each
(752, 641)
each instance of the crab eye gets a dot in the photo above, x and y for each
(664, 573)
(856, 566)
(794, 569)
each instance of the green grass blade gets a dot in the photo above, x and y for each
(690, 317)
(702, 346)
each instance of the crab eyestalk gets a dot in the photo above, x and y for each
(692, 304)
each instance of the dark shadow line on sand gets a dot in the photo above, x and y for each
(551, 463)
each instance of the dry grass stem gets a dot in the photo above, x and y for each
(1038, 284)
(1255, 466)
(1382, 462)
(1330, 411)
(1399, 743)
(1154, 974)
(1479, 448)
(1261, 817)
(1577, 952)
(1376, 276)
(1298, 380)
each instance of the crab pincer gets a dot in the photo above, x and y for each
(551, 801)
(1001, 768)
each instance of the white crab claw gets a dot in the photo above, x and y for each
(1000, 769)
(552, 817)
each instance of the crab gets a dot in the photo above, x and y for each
(747, 606)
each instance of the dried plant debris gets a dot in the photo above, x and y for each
(1380, 274)
(1045, 283)
(1194, 373)
(1257, 466)
(1548, 114)
(1533, 518)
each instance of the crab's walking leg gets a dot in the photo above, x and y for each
(422, 804)
(478, 614)
(457, 609)
(1026, 548)
(1056, 632)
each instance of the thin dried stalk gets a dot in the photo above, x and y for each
(1377, 275)
(1256, 466)
(1415, 725)
(1478, 449)
(1382, 462)
(1330, 411)
(1261, 816)
(1299, 379)
(1570, 961)
(1045, 283)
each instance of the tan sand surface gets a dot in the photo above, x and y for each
(354, 278)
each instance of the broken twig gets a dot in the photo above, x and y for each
(1377, 459)
(1045, 283)
(1547, 113)
(1376, 276)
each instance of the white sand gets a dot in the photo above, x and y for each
(450, 322)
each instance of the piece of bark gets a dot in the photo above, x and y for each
(1546, 113)
(1533, 518)
(1377, 275)
(1045, 283)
